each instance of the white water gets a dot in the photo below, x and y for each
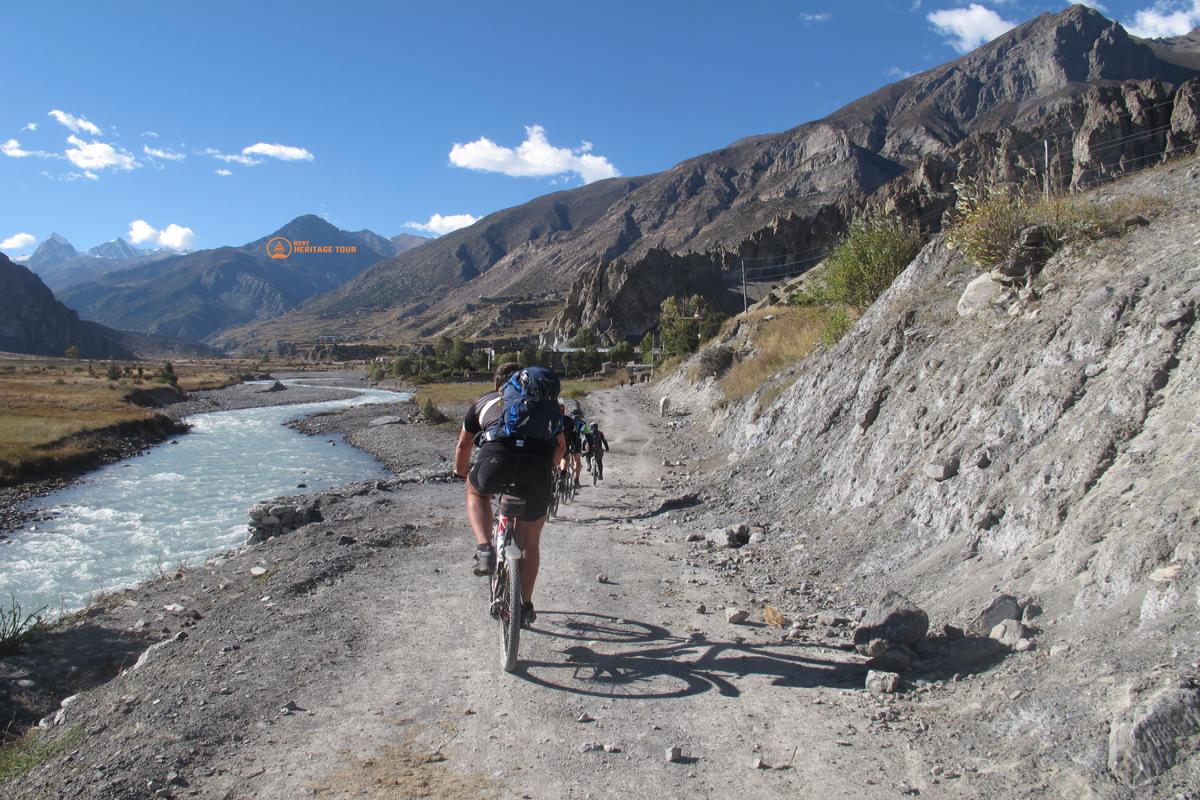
(177, 503)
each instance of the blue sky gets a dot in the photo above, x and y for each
(225, 120)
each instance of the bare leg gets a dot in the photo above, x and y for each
(479, 514)
(530, 536)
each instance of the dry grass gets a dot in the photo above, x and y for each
(779, 343)
(988, 223)
(774, 617)
(47, 406)
(32, 749)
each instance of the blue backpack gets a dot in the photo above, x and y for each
(530, 408)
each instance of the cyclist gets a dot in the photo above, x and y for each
(595, 446)
(522, 466)
(573, 428)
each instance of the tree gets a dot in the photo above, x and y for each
(621, 353)
(114, 372)
(72, 352)
(584, 337)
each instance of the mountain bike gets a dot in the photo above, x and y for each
(594, 469)
(555, 493)
(506, 578)
(566, 486)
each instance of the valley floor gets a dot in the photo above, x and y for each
(360, 661)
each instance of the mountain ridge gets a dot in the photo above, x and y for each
(190, 296)
(685, 229)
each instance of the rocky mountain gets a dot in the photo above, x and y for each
(399, 293)
(1074, 78)
(61, 266)
(117, 249)
(33, 321)
(194, 295)
(407, 241)
(52, 252)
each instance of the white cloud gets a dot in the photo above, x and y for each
(18, 241)
(443, 225)
(176, 237)
(12, 149)
(166, 155)
(534, 157)
(1090, 4)
(231, 158)
(896, 72)
(1165, 19)
(76, 124)
(98, 155)
(969, 27)
(151, 134)
(30, 126)
(281, 151)
(172, 237)
(141, 231)
(224, 173)
(809, 19)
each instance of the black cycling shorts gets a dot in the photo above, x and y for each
(501, 470)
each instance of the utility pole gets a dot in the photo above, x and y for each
(745, 303)
(1046, 161)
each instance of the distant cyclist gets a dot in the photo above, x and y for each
(506, 463)
(573, 429)
(596, 445)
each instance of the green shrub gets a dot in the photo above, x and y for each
(432, 413)
(874, 251)
(837, 324)
(17, 627)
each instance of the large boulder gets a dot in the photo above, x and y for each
(1144, 740)
(893, 618)
(1003, 607)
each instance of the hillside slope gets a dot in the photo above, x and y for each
(1042, 447)
(769, 198)
(32, 321)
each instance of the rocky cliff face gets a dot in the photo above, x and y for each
(32, 321)
(1041, 446)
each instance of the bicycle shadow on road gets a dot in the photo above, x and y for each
(651, 663)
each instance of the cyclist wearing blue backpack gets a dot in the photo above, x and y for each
(518, 430)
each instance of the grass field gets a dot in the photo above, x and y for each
(48, 406)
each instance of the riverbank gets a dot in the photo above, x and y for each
(127, 440)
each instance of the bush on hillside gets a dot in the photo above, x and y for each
(714, 361)
(874, 251)
(988, 222)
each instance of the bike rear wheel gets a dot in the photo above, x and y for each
(510, 611)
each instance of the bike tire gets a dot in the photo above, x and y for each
(593, 476)
(511, 622)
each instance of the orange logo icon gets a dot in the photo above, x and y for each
(279, 247)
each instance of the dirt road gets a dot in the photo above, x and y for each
(631, 653)
(391, 666)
